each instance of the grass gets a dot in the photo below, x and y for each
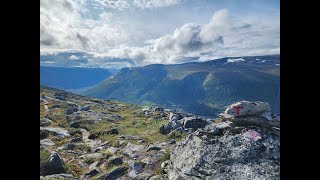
(74, 169)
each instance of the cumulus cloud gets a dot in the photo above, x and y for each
(70, 35)
(132, 4)
(74, 57)
(151, 4)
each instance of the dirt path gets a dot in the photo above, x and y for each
(91, 143)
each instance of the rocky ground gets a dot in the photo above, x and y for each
(86, 138)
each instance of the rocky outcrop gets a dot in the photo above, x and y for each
(228, 150)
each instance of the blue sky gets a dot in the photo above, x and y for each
(122, 33)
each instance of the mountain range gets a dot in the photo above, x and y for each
(201, 88)
(72, 78)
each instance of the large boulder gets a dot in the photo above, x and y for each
(115, 173)
(174, 117)
(50, 162)
(168, 127)
(237, 152)
(246, 108)
(194, 122)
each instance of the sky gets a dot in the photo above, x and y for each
(127, 33)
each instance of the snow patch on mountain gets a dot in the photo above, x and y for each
(235, 60)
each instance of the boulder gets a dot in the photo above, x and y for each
(134, 168)
(51, 164)
(194, 122)
(158, 109)
(70, 146)
(91, 173)
(93, 165)
(74, 140)
(159, 177)
(112, 131)
(246, 108)
(85, 108)
(115, 173)
(174, 117)
(153, 148)
(168, 127)
(46, 142)
(114, 161)
(59, 177)
(165, 166)
(71, 110)
(241, 152)
(60, 132)
(55, 106)
(112, 150)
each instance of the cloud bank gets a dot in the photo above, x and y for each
(69, 36)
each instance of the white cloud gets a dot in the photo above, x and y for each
(73, 57)
(151, 4)
(106, 39)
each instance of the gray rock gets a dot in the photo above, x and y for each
(158, 109)
(116, 117)
(194, 122)
(267, 115)
(114, 161)
(112, 131)
(71, 110)
(91, 173)
(145, 175)
(153, 148)
(241, 152)
(131, 149)
(93, 165)
(165, 166)
(46, 142)
(85, 108)
(69, 146)
(168, 127)
(115, 173)
(160, 177)
(74, 140)
(112, 150)
(55, 106)
(246, 108)
(53, 166)
(174, 117)
(134, 168)
(45, 122)
(56, 131)
(59, 176)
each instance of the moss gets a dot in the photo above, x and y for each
(74, 169)
(44, 158)
(89, 160)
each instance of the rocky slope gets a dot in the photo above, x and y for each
(86, 138)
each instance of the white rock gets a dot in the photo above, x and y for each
(247, 108)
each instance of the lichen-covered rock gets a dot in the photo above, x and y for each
(193, 122)
(170, 126)
(174, 117)
(114, 173)
(238, 152)
(50, 163)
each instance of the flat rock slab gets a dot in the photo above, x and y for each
(58, 131)
(46, 142)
